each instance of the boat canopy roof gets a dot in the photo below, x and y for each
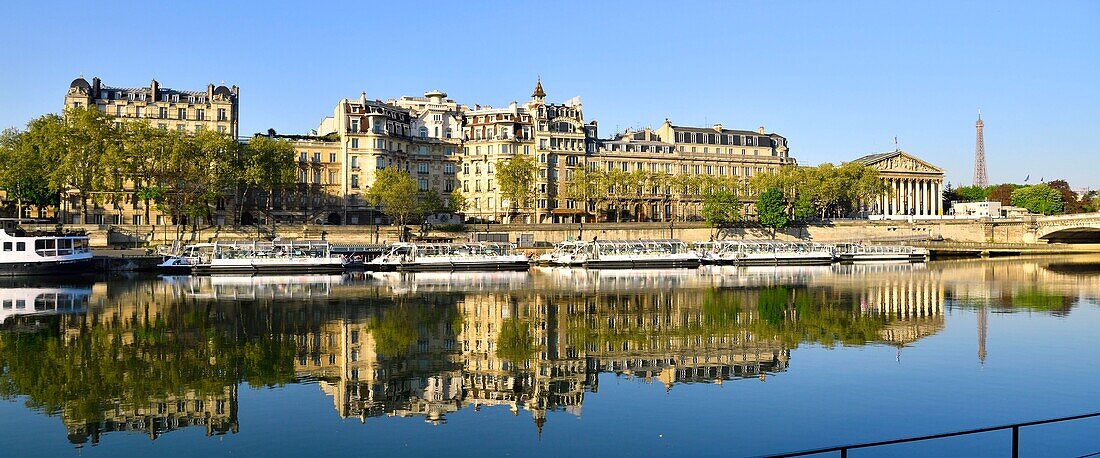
(640, 242)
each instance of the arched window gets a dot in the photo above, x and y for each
(423, 132)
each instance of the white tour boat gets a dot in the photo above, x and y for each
(254, 257)
(569, 253)
(414, 257)
(625, 254)
(765, 252)
(43, 254)
(854, 252)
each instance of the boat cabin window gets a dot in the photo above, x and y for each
(46, 247)
(20, 246)
(7, 304)
(7, 246)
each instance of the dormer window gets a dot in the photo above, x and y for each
(175, 98)
(190, 99)
(164, 98)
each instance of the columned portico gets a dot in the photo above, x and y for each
(915, 187)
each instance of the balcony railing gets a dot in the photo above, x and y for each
(1015, 427)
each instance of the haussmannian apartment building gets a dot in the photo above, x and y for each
(189, 111)
(447, 146)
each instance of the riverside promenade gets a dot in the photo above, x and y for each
(1080, 229)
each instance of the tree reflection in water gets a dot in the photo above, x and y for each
(156, 355)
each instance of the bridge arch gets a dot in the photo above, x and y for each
(1073, 228)
(1076, 234)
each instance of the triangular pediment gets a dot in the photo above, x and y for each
(899, 161)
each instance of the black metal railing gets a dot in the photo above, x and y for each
(1015, 427)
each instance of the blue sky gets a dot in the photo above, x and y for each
(838, 79)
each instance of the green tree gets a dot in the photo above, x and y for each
(721, 207)
(396, 192)
(516, 178)
(585, 186)
(1071, 202)
(1039, 198)
(457, 201)
(144, 155)
(972, 193)
(863, 184)
(264, 164)
(771, 210)
(24, 172)
(429, 203)
(86, 137)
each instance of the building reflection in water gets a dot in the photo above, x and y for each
(163, 354)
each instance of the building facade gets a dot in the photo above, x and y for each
(446, 147)
(916, 187)
(216, 108)
(553, 135)
(672, 153)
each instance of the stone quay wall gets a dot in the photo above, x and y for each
(996, 231)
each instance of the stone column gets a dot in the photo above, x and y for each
(907, 196)
(939, 199)
(900, 196)
(895, 186)
(924, 197)
(920, 197)
(915, 205)
(931, 197)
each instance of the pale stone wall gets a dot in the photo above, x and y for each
(996, 231)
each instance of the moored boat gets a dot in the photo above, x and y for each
(569, 253)
(255, 257)
(765, 252)
(416, 257)
(854, 252)
(43, 253)
(626, 254)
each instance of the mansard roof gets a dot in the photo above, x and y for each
(711, 130)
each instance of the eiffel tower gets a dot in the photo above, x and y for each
(980, 178)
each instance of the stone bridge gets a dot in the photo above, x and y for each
(1078, 228)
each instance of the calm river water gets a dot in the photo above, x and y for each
(716, 361)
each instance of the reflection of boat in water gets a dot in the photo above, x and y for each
(419, 257)
(854, 252)
(765, 252)
(261, 257)
(577, 278)
(409, 282)
(42, 301)
(257, 287)
(44, 254)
